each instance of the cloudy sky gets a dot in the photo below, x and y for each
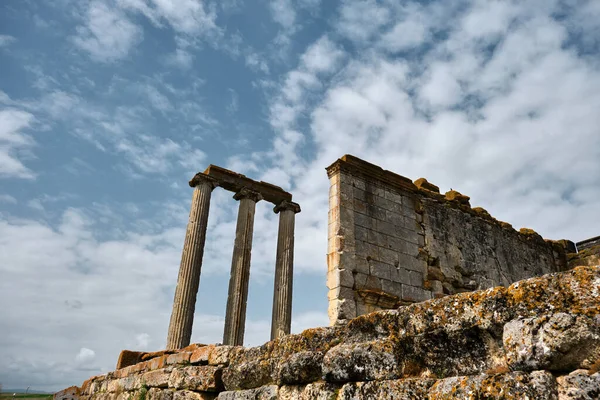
(108, 108)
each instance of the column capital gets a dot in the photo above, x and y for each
(246, 193)
(287, 205)
(201, 178)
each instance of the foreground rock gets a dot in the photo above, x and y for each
(537, 339)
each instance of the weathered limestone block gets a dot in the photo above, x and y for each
(198, 378)
(302, 367)
(487, 309)
(250, 374)
(576, 291)
(513, 385)
(130, 383)
(200, 355)
(312, 391)
(70, 393)
(128, 357)
(189, 395)
(159, 394)
(578, 385)
(158, 378)
(314, 339)
(179, 358)
(400, 389)
(557, 342)
(371, 327)
(361, 361)
(262, 393)
(442, 354)
(220, 355)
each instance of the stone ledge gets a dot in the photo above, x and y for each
(495, 338)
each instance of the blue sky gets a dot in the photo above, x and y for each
(108, 108)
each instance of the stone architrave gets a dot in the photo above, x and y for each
(235, 315)
(284, 268)
(184, 304)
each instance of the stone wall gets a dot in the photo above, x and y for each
(591, 242)
(537, 339)
(394, 242)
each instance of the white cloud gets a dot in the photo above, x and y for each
(191, 17)
(322, 56)
(13, 122)
(142, 341)
(181, 58)
(6, 40)
(284, 13)
(6, 198)
(361, 20)
(107, 34)
(85, 355)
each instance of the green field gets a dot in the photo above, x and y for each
(36, 396)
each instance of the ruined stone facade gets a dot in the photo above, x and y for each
(429, 299)
(392, 241)
(536, 339)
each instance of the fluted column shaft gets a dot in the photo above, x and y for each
(184, 304)
(235, 315)
(281, 321)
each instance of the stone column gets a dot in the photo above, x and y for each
(235, 315)
(281, 321)
(184, 304)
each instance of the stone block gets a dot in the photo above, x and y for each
(365, 221)
(179, 358)
(340, 292)
(361, 265)
(360, 362)
(204, 378)
(361, 234)
(394, 218)
(388, 256)
(262, 393)
(403, 246)
(555, 342)
(360, 206)
(158, 378)
(128, 357)
(386, 228)
(412, 263)
(394, 196)
(341, 309)
(312, 391)
(220, 355)
(415, 294)
(579, 384)
(414, 278)
(70, 393)
(299, 368)
(200, 355)
(250, 374)
(130, 383)
(360, 195)
(357, 183)
(360, 280)
(159, 394)
(339, 277)
(422, 183)
(393, 288)
(401, 389)
(380, 270)
(189, 395)
(443, 353)
(367, 250)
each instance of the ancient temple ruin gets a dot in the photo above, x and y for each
(429, 298)
(248, 192)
